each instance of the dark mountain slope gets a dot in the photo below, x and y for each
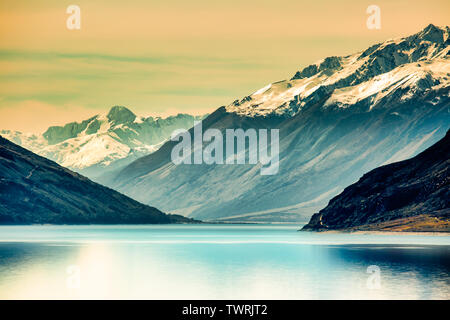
(36, 190)
(411, 195)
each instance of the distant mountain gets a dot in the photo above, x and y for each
(411, 195)
(102, 143)
(36, 190)
(338, 118)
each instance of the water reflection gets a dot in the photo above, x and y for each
(221, 269)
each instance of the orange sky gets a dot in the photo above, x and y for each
(165, 57)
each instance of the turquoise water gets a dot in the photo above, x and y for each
(219, 262)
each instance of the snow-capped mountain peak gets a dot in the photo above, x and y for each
(120, 115)
(103, 142)
(370, 71)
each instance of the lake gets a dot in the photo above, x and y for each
(219, 262)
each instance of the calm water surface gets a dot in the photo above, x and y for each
(218, 262)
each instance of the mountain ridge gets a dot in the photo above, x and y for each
(328, 136)
(287, 97)
(104, 142)
(35, 190)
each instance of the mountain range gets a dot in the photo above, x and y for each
(338, 119)
(104, 142)
(35, 190)
(411, 195)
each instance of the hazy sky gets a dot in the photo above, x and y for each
(166, 57)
